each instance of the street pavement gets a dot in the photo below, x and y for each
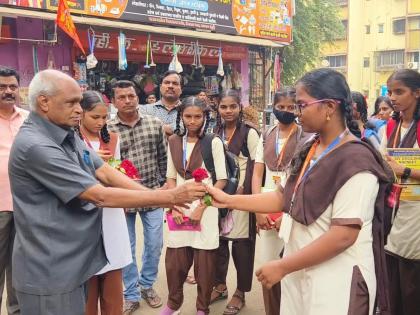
(254, 301)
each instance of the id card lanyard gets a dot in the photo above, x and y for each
(227, 142)
(287, 221)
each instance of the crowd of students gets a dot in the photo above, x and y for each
(314, 189)
(321, 215)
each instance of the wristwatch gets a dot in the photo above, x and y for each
(406, 174)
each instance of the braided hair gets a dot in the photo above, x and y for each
(89, 101)
(237, 97)
(410, 79)
(189, 102)
(326, 83)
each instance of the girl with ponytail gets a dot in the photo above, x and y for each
(106, 286)
(194, 245)
(332, 204)
(403, 244)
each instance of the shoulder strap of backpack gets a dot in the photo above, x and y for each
(206, 152)
(390, 126)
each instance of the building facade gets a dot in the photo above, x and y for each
(380, 36)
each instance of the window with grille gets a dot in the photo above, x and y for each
(398, 26)
(256, 86)
(392, 58)
(339, 61)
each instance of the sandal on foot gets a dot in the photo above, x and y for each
(190, 280)
(221, 295)
(233, 310)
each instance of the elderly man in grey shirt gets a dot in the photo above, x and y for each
(59, 186)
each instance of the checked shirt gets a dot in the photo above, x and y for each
(145, 146)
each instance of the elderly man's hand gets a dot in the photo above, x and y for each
(188, 192)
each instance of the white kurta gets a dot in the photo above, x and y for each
(271, 244)
(114, 231)
(324, 289)
(208, 237)
(404, 238)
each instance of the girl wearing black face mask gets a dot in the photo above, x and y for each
(275, 150)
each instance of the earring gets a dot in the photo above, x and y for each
(328, 117)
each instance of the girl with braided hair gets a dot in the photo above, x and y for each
(242, 140)
(198, 246)
(106, 285)
(403, 244)
(359, 111)
(333, 208)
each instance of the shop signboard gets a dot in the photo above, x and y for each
(136, 44)
(269, 19)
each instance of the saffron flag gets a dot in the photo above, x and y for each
(65, 22)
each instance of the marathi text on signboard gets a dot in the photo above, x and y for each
(270, 19)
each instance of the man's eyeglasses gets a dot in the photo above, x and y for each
(12, 87)
(300, 106)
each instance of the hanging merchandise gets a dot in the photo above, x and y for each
(122, 56)
(220, 70)
(197, 55)
(277, 71)
(91, 60)
(50, 60)
(149, 54)
(175, 65)
(35, 58)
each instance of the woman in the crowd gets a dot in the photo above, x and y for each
(383, 108)
(359, 112)
(403, 244)
(239, 227)
(185, 247)
(106, 286)
(333, 210)
(151, 99)
(274, 153)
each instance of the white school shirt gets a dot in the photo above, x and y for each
(208, 237)
(404, 238)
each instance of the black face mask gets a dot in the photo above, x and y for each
(284, 117)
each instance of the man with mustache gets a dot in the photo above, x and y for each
(11, 118)
(165, 108)
(59, 188)
(143, 142)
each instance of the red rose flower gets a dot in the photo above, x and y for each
(200, 174)
(130, 169)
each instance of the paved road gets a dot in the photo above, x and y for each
(254, 303)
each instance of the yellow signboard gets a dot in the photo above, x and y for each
(409, 158)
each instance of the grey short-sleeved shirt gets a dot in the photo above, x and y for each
(58, 244)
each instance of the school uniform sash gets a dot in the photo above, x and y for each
(195, 161)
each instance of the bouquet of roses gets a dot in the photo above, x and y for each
(126, 167)
(199, 175)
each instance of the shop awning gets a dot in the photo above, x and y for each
(18, 12)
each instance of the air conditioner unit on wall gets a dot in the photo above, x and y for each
(413, 65)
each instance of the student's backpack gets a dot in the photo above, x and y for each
(232, 167)
(392, 124)
(372, 132)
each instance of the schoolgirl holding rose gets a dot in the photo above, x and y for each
(193, 235)
(333, 210)
(106, 286)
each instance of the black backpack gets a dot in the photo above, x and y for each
(232, 167)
